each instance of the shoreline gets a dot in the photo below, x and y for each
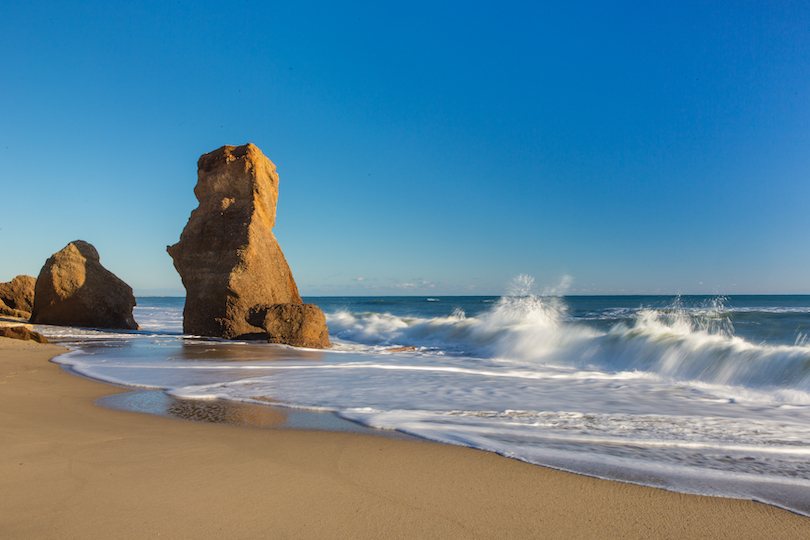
(234, 413)
(76, 469)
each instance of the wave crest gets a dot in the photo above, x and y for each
(676, 342)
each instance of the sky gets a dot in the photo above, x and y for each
(423, 148)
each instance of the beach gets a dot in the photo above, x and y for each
(73, 469)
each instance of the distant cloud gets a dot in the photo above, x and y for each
(418, 284)
(359, 279)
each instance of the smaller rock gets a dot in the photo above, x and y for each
(73, 289)
(23, 333)
(299, 325)
(409, 348)
(18, 294)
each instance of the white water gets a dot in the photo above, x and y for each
(668, 397)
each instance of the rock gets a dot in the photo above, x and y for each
(300, 325)
(73, 289)
(409, 348)
(6, 311)
(230, 263)
(18, 294)
(21, 332)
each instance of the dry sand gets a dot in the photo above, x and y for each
(72, 469)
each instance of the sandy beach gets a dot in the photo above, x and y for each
(72, 469)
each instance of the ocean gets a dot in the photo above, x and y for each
(696, 394)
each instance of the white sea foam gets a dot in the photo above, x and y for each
(677, 343)
(165, 319)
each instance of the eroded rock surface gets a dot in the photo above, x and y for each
(228, 258)
(6, 311)
(73, 289)
(17, 296)
(300, 325)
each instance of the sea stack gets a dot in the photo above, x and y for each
(73, 289)
(238, 283)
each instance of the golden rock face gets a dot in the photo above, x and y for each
(230, 262)
(74, 289)
(17, 296)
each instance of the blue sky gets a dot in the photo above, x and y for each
(423, 148)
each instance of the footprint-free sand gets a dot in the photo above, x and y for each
(72, 469)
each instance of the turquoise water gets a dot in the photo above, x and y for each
(697, 394)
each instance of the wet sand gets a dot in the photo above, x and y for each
(72, 469)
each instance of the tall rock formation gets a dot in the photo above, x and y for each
(17, 297)
(73, 289)
(231, 264)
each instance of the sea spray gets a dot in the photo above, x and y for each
(520, 325)
(700, 346)
(683, 343)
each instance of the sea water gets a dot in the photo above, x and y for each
(707, 395)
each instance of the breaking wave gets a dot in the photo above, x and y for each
(677, 342)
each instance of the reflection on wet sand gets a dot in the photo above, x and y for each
(225, 412)
(167, 347)
(236, 413)
(229, 351)
(168, 355)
